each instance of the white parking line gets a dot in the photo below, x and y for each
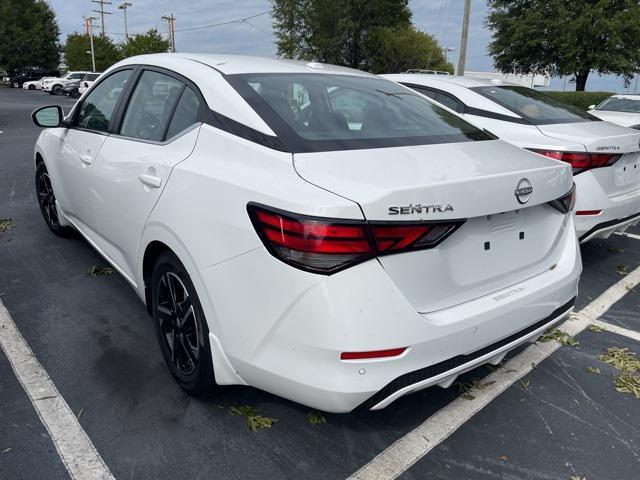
(630, 235)
(76, 451)
(398, 457)
(618, 330)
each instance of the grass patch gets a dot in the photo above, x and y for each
(561, 337)
(6, 224)
(96, 271)
(255, 421)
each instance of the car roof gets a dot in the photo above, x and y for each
(238, 64)
(434, 80)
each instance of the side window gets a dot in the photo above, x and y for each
(448, 101)
(186, 113)
(150, 106)
(426, 92)
(97, 108)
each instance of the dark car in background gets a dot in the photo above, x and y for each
(71, 89)
(16, 79)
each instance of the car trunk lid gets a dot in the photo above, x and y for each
(502, 241)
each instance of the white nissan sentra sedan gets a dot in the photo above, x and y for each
(314, 231)
(605, 157)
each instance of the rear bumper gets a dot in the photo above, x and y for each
(617, 213)
(288, 338)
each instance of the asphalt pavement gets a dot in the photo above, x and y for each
(96, 341)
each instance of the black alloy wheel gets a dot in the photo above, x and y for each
(181, 327)
(47, 202)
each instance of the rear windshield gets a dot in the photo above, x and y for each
(535, 107)
(621, 104)
(321, 112)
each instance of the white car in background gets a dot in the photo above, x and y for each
(31, 85)
(622, 110)
(367, 247)
(605, 157)
(55, 85)
(87, 81)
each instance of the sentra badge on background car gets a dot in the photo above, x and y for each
(419, 208)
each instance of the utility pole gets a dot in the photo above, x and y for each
(89, 26)
(102, 12)
(172, 30)
(123, 6)
(464, 37)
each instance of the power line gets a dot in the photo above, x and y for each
(102, 12)
(239, 20)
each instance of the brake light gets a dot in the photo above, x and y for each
(323, 245)
(588, 212)
(565, 203)
(581, 161)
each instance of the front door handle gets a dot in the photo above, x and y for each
(86, 159)
(150, 181)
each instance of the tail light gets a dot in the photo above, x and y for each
(565, 203)
(323, 245)
(581, 161)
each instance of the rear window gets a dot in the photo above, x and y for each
(621, 104)
(321, 112)
(535, 107)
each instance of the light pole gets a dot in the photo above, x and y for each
(93, 55)
(463, 37)
(446, 50)
(123, 6)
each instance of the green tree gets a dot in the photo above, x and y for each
(150, 42)
(342, 32)
(397, 50)
(28, 35)
(76, 57)
(566, 37)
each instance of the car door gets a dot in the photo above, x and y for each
(158, 130)
(80, 147)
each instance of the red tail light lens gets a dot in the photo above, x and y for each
(326, 246)
(581, 161)
(392, 352)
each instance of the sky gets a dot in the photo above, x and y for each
(440, 18)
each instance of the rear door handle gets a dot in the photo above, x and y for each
(150, 181)
(86, 159)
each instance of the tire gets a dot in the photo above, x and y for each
(56, 90)
(47, 202)
(74, 93)
(15, 85)
(181, 326)
(32, 87)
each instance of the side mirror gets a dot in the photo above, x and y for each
(48, 117)
(591, 107)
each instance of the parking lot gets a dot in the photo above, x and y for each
(536, 417)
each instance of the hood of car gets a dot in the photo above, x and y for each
(625, 119)
(595, 136)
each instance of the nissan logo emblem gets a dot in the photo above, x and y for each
(523, 191)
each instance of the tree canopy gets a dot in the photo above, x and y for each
(28, 35)
(565, 37)
(107, 52)
(150, 42)
(76, 57)
(373, 35)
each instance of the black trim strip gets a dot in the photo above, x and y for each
(418, 376)
(610, 223)
(496, 116)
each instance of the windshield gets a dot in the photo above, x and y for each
(535, 107)
(320, 112)
(621, 104)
